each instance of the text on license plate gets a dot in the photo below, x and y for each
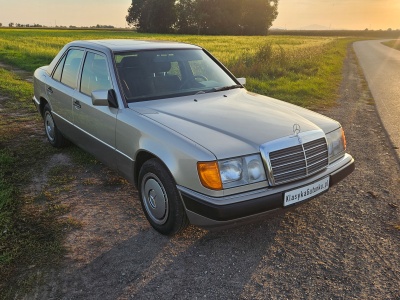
(306, 192)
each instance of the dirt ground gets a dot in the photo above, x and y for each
(342, 245)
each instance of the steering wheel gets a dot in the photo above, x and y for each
(190, 79)
(201, 77)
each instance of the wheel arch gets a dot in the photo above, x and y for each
(160, 199)
(141, 158)
(42, 104)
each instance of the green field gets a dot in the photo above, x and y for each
(302, 70)
(393, 44)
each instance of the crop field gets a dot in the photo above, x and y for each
(302, 70)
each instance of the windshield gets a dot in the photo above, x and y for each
(147, 75)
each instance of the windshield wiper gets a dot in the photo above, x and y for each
(225, 88)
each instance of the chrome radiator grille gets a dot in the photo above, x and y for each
(299, 161)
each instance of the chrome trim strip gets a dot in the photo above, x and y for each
(107, 145)
(305, 156)
(87, 133)
(122, 153)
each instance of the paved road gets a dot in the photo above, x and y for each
(381, 66)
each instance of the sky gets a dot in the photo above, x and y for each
(293, 14)
(339, 14)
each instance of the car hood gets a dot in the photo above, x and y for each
(232, 123)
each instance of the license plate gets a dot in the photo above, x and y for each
(306, 192)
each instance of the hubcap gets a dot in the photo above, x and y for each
(155, 198)
(49, 126)
(152, 199)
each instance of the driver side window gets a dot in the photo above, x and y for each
(95, 74)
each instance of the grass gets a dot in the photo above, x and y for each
(12, 86)
(310, 78)
(31, 232)
(301, 70)
(393, 44)
(29, 237)
(6, 205)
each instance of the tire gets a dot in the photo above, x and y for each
(160, 198)
(54, 136)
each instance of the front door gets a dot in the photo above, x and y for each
(96, 123)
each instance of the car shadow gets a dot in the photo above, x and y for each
(194, 263)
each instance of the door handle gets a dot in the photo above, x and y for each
(77, 104)
(50, 90)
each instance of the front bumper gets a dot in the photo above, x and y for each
(205, 211)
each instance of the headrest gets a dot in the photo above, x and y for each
(130, 62)
(163, 66)
(99, 65)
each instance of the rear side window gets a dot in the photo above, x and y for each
(70, 70)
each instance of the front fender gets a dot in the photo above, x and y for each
(136, 133)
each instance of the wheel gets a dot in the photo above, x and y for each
(54, 136)
(160, 199)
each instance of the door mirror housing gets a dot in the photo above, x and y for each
(104, 98)
(242, 80)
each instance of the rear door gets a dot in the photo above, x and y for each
(61, 88)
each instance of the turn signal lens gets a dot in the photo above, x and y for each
(209, 175)
(344, 139)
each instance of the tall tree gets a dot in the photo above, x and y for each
(219, 16)
(186, 16)
(257, 16)
(156, 16)
(240, 17)
(247, 17)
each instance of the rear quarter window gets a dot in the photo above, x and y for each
(58, 71)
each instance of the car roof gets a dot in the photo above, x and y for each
(123, 45)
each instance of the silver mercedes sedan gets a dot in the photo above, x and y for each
(172, 120)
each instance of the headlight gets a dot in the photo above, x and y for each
(336, 144)
(232, 172)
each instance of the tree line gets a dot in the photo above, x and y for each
(229, 17)
(12, 24)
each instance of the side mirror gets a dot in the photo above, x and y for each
(104, 98)
(242, 81)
